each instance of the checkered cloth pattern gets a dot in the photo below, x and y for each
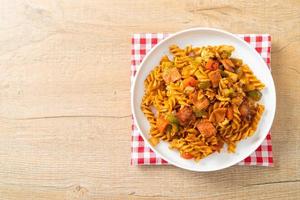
(142, 154)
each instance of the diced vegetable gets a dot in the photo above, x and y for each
(190, 81)
(228, 92)
(189, 89)
(204, 84)
(198, 75)
(255, 95)
(232, 75)
(172, 119)
(223, 74)
(187, 155)
(200, 113)
(162, 124)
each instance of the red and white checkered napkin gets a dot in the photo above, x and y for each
(142, 154)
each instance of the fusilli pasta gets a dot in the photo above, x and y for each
(201, 99)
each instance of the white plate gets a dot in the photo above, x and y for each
(203, 37)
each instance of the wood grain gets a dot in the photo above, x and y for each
(65, 103)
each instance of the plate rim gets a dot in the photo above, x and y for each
(133, 90)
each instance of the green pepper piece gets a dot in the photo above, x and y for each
(228, 92)
(204, 84)
(223, 74)
(200, 113)
(255, 95)
(172, 119)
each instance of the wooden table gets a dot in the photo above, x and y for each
(65, 104)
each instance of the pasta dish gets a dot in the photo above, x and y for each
(200, 98)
